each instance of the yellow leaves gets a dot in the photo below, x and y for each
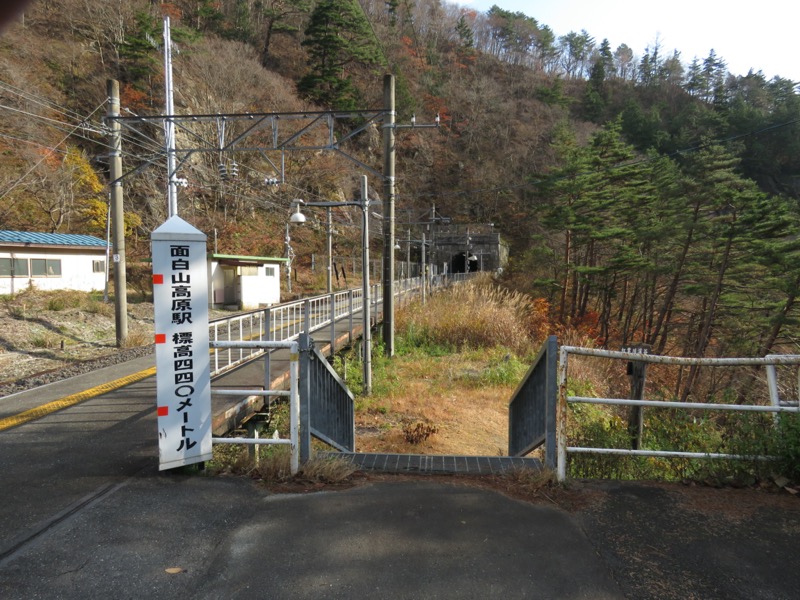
(95, 213)
(83, 176)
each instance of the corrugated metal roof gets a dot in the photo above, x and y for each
(50, 239)
(260, 259)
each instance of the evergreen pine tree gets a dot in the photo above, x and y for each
(338, 37)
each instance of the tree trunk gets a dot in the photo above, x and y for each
(666, 306)
(708, 323)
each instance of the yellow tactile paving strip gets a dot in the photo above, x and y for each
(67, 401)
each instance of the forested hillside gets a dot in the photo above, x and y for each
(646, 199)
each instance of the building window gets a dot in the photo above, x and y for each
(14, 267)
(269, 271)
(46, 267)
(249, 271)
(98, 266)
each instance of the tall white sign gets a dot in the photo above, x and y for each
(183, 376)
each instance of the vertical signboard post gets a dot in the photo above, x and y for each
(183, 376)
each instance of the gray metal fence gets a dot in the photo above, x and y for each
(532, 410)
(776, 404)
(327, 407)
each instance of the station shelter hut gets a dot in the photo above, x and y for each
(244, 282)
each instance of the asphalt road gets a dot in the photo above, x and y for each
(85, 514)
(177, 536)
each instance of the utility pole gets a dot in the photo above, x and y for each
(434, 256)
(466, 254)
(388, 213)
(424, 271)
(117, 216)
(365, 299)
(330, 250)
(289, 257)
(169, 124)
(408, 254)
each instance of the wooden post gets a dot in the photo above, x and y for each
(637, 371)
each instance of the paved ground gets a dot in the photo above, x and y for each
(178, 536)
(84, 514)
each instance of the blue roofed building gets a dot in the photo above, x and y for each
(51, 261)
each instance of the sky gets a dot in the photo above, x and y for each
(761, 35)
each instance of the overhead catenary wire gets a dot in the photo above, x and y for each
(44, 102)
(41, 160)
(72, 118)
(154, 147)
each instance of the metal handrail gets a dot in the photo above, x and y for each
(775, 407)
(286, 321)
(293, 393)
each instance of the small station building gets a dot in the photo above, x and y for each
(51, 261)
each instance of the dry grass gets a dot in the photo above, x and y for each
(443, 392)
(272, 466)
(45, 330)
(455, 374)
(478, 314)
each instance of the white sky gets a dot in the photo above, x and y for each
(764, 35)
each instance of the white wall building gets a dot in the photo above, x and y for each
(51, 261)
(244, 282)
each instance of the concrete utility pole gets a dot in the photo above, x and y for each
(365, 299)
(330, 250)
(408, 253)
(117, 216)
(169, 124)
(424, 271)
(388, 213)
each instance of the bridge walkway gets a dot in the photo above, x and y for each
(117, 384)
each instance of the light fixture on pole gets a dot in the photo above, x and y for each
(299, 217)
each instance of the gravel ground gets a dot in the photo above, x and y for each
(49, 336)
(12, 386)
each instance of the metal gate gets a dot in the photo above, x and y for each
(327, 407)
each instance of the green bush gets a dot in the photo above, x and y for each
(765, 448)
(788, 446)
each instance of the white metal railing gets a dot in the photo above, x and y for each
(238, 328)
(293, 394)
(776, 404)
(287, 321)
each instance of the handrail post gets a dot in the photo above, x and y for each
(333, 323)
(267, 335)
(304, 400)
(561, 417)
(772, 386)
(295, 408)
(350, 313)
(551, 401)
(307, 316)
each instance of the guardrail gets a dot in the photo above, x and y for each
(293, 394)
(776, 404)
(327, 406)
(532, 409)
